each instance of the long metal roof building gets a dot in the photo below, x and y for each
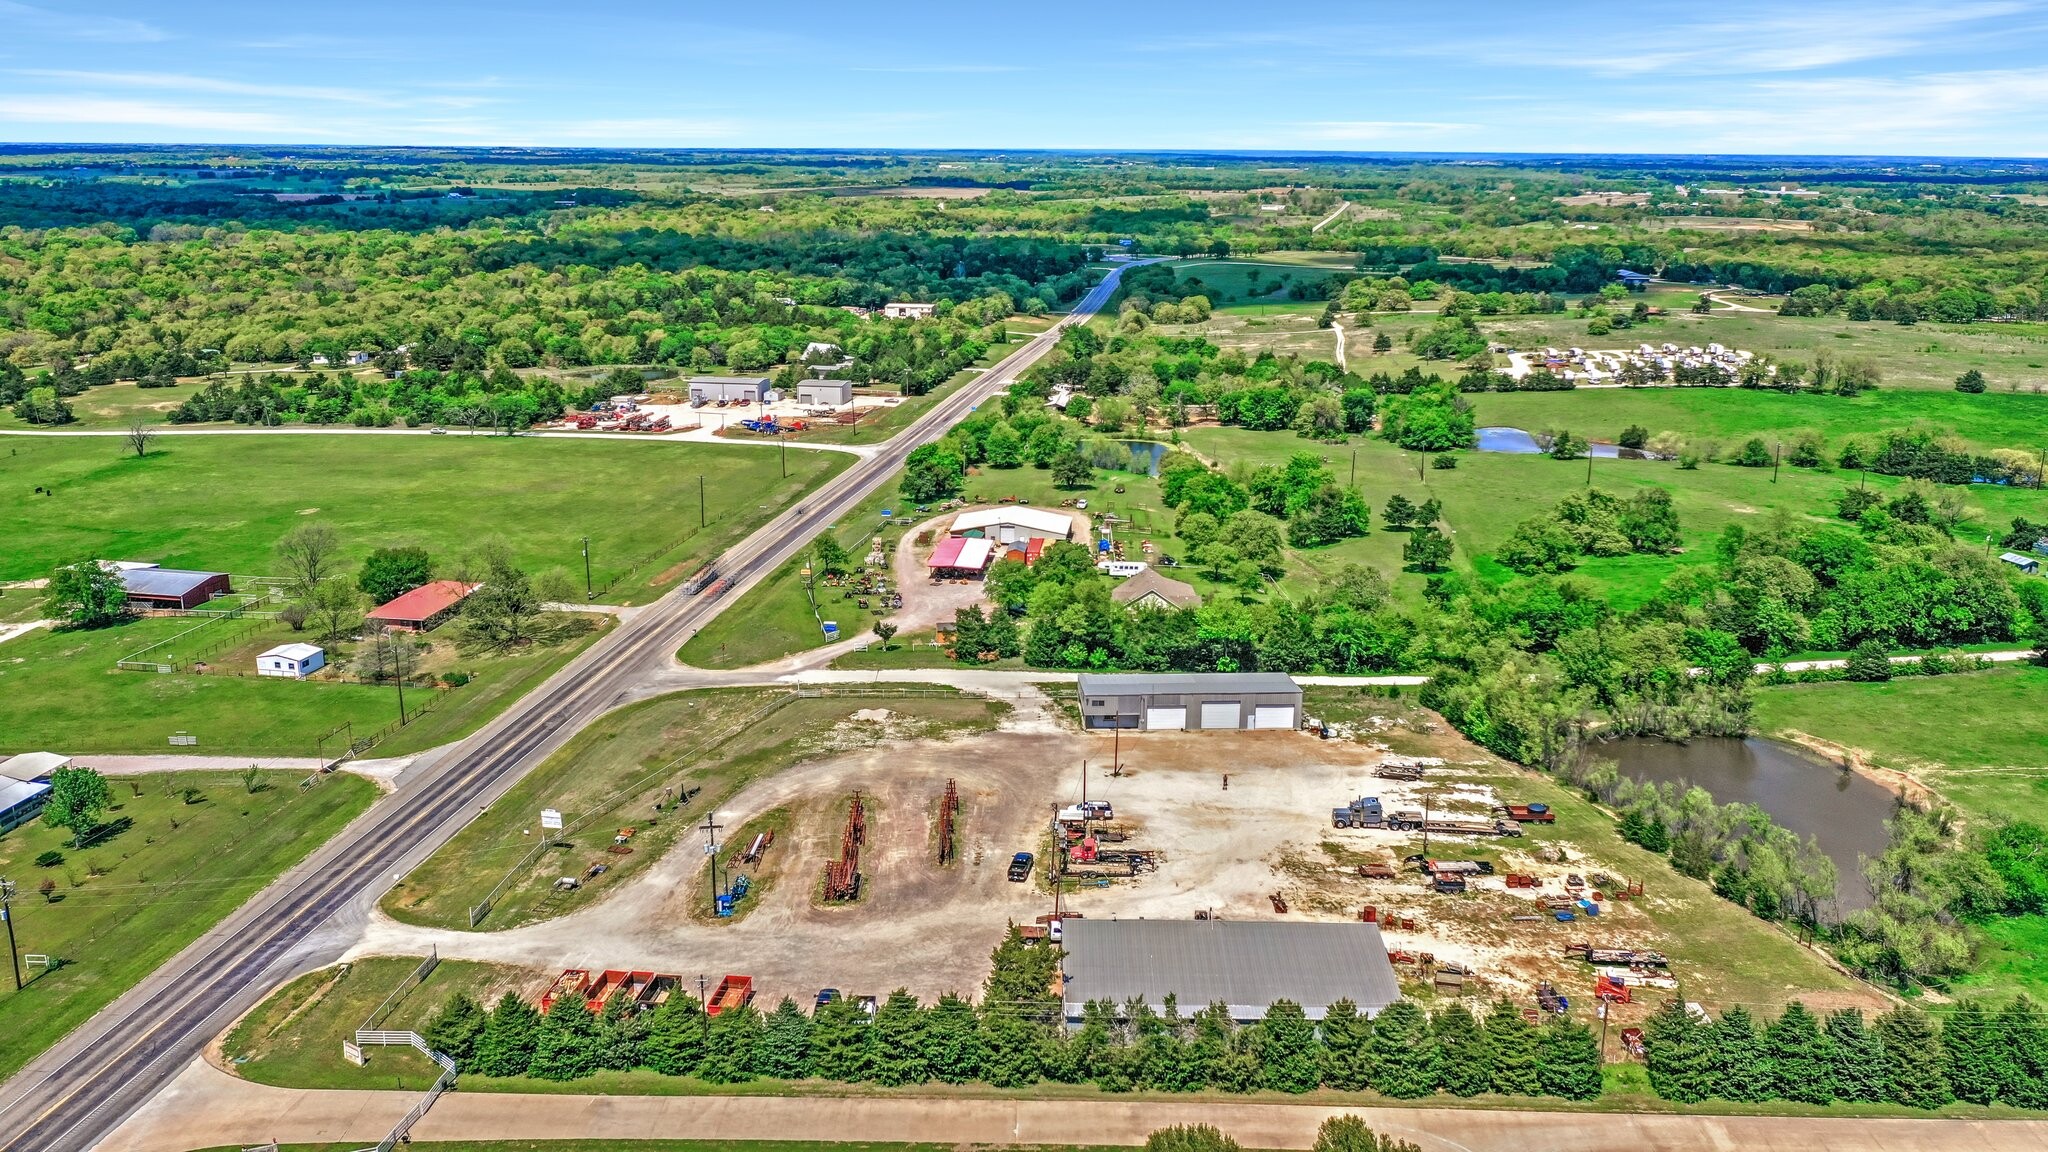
(1245, 964)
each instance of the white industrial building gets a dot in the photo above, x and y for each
(825, 393)
(1009, 523)
(1178, 701)
(744, 389)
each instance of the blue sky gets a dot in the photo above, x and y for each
(1965, 77)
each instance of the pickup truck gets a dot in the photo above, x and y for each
(1020, 867)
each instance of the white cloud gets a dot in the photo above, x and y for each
(1782, 41)
(179, 82)
(146, 114)
(1369, 131)
(76, 26)
(650, 131)
(1994, 112)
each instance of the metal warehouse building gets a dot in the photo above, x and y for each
(1176, 701)
(746, 389)
(1246, 965)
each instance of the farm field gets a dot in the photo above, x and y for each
(114, 406)
(688, 752)
(178, 852)
(635, 501)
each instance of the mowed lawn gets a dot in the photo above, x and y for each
(221, 503)
(1987, 421)
(166, 866)
(61, 690)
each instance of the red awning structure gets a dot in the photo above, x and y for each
(963, 554)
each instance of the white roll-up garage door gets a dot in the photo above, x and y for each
(1281, 717)
(1165, 719)
(1220, 714)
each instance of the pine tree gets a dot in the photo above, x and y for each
(842, 1043)
(1287, 1047)
(1164, 1062)
(567, 1043)
(456, 1028)
(1975, 1059)
(1239, 1070)
(1347, 1045)
(730, 1040)
(1512, 1042)
(620, 1029)
(1399, 514)
(784, 1052)
(1679, 1054)
(1800, 1057)
(1090, 1044)
(900, 1040)
(1404, 1056)
(1011, 1046)
(2023, 1045)
(1214, 1033)
(1466, 1056)
(952, 1041)
(674, 1043)
(1739, 1069)
(506, 1046)
(1568, 1060)
(1858, 1057)
(1914, 1064)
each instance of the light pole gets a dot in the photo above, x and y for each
(589, 593)
(700, 500)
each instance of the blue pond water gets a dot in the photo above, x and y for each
(1514, 440)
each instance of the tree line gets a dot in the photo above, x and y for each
(1017, 1037)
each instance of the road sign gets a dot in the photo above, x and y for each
(550, 820)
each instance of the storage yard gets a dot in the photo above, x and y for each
(908, 886)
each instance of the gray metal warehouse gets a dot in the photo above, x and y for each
(748, 389)
(1244, 964)
(1187, 700)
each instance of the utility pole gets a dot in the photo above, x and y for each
(589, 593)
(701, 1005)
(1777, 455)
(1354, 468)
(397, 659)
(784, 442)
(1589, 465)
(700, 499)
(711, 849)
(7, 914)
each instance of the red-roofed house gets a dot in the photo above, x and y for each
(424, 608)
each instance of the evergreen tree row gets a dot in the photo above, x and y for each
(1902, 1057)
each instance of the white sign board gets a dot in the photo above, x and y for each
(550, 820)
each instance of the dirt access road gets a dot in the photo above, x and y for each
(205, 1107)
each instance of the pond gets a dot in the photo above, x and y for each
(1515, 440)
(1145, 456)
(1843, 811)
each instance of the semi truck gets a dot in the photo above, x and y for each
(1363, 812)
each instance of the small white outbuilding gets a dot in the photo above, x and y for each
(294, 660)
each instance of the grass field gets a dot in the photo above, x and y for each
(1980, 740)
(115, 406)
(1928, 356)
(166, 867)
(1489, 493)
(220, 503)
(62, 690)
(1991, 420)
(688, 752)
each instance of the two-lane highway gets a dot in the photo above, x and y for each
(76, 1092)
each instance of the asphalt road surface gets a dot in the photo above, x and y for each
(83, 1086)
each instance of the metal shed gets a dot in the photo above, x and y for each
(1191, 700)
(836, 393)
(1244, 964)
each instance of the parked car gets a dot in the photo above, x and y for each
(1020, 867)
(826, 996)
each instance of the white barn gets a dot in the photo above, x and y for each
(1009, 523)
(293, 660)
